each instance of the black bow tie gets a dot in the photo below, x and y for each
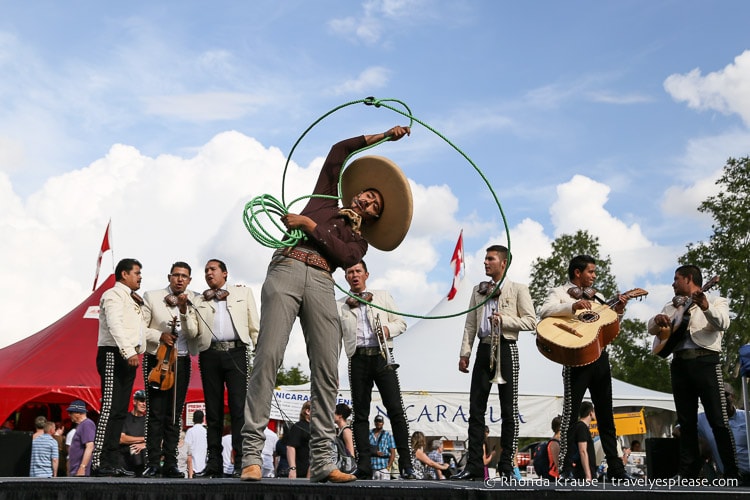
(486, 287)
(579, 293)
(219, 294)
(137, 298)
(352, 302)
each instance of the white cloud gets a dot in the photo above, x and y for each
(724, 90)
(609, 97)
(379, 15)
(169, 208)
(205, 106)
(368, 80)
(581, 205)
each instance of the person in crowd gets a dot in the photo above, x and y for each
(280, 462)
(122, 337)
(436, 455)
(507, 310)
(298, 445)
(227, 325)
(133, 435)
(635, 446)
(227, 455)
(420, 461)
(696, 369)
(182, 455)
(584, 459)
(62, 463)
(382, 450)
(165, 311)
(299, 283)
(565, 302)
(197, 446)
(488, 453)
(45, 452)
(39, 423)
(268, 451)
(68, 441)
(737, 424)
(82, 446)
(341, 419)
(368, 365)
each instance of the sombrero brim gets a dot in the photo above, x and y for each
(388, 231)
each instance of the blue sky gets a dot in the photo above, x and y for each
(167, 117)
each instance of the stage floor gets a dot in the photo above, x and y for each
(231, 489)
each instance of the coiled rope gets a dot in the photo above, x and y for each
(269, 207)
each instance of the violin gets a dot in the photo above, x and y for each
(162, 375)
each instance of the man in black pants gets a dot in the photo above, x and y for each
(367, 365)
(122, 336)
(696, 370)
(160, 309)
(227, 325)
(565, 302)
(497, 324)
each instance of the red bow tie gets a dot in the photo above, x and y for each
(352, 302)
(137, 298)
(219, 294)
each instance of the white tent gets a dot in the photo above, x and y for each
(436, 393)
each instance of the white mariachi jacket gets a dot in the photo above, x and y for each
(515, 308)
(349, 315)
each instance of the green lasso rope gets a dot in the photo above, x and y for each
(269, 206)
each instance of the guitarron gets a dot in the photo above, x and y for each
(579, 340)
(668, 337)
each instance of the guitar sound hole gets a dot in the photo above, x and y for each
(588, 317)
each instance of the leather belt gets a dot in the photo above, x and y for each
(693, 353)
(368, 351)
(226, 345)
(309, 258)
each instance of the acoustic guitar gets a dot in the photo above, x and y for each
(579, 340)
(668, 337)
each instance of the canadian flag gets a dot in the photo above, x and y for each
(105, 247)
(457, 263)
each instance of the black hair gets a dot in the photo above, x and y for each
(181, 264)
(692, 272)
(579, 263)
(125, 266)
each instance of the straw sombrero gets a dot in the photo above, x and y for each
(376, 172)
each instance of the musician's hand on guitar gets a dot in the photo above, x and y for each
(463, 364)
(581, 304)
(700, 299)
(662, 321)
(167, 338)
(622, 301)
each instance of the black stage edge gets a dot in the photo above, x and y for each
(273, 489)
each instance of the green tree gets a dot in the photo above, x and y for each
(727, 252)
(292, 376)
(630, 352)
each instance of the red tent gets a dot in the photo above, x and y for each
(58, 364)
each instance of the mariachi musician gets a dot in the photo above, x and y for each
(564, 302)
(497, 323)
(367, 336)
(165, 310)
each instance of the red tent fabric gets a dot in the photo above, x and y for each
(58, 364)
